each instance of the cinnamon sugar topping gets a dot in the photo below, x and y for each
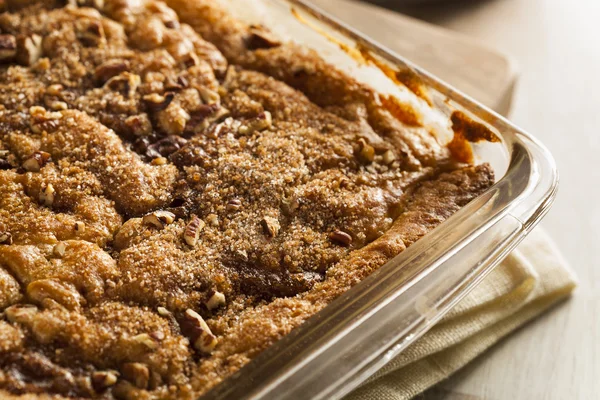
(179, 190)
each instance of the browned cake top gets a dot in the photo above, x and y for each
(171, 204)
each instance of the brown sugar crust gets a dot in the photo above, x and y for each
(175, 198)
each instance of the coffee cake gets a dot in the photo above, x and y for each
(179, 190)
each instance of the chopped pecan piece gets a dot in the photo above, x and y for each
(173, 119)
(341, 238)
(163, 148)
(125, 83)
(260, 123)
(212, 219)
(289, 206)
(208, 96)
(271, 226)
(97, 4)
(90, 33)
(136, 373)
(234, 205)
(109, 69)
(172, 86)
(260, 38)
(55, 89)
(201, 118)
(182, 81)
(64, 294)
(159, 218)
(388, 157)
(230, 125)
(102, 380)
(155, 102)
(42, 120)
(36, 161)
(146, 340)
(8, 47)
(163, 312)
(47, 195)
(198, 332)
(29, 49)
(192, 230)
(58, 105)
(84, 386)
(366, 152)
(139, 125)
(79, 227)
(59, 249)
(217, 299)
(172, 24)
(143, 147)
(191, 59)
(21, 313)
(6, 238)
(159, 161)
(4, 163)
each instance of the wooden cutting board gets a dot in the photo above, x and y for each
(482, 72)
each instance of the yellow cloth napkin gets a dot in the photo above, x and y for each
(525, 284)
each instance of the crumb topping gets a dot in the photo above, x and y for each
(175, 198)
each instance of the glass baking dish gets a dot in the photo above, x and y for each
(339, 347)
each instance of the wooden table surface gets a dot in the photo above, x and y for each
(556, 46)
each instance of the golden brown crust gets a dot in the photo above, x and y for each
(174, 198)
